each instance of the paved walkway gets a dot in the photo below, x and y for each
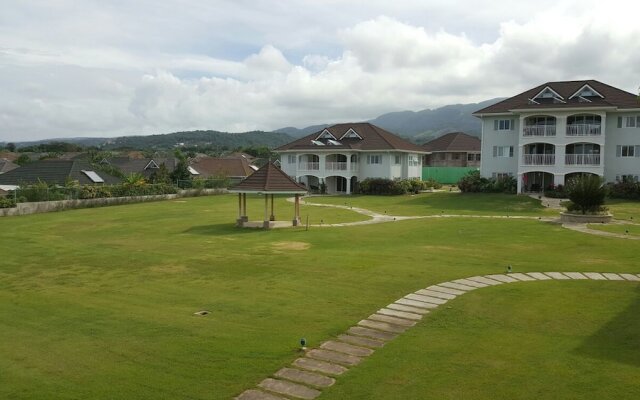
(319, 367)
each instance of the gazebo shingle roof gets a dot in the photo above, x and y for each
(269, 179)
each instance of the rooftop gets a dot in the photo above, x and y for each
(452, 142)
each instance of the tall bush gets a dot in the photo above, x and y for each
(586, 193)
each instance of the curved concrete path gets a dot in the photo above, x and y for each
(319, 368)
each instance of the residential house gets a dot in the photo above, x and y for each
(556, 130)
(342, 155)
(143, 166)
(6, 166)
(57, 172)
(233, 168)
(454, 149)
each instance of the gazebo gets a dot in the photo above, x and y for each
(267, 181)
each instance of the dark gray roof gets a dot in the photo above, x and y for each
(144, 166)
(6, 166)
(269, 179)
(55, 172)
(453, 142)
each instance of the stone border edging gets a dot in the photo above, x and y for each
(319, 367)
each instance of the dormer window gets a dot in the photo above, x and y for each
(351, 134)
(548, 93)
(586, 91)
(325, 134)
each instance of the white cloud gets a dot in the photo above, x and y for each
(255, 72)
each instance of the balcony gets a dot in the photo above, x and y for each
(335, 166)
(583, 130)
(538, 159)
(582, 159)
(539, 130)
(309, 166)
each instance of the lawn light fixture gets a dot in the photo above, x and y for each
(303, 344)
(509, 269)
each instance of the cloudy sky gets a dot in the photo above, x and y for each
(115, 67)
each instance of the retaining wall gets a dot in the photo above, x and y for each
(60, 205)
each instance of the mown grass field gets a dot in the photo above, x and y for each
(99, 303)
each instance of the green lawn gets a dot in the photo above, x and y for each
(624, 209)
(443, 203)
(623, 229)
(99, 303)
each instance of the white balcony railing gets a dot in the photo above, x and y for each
(582, 159)
(539, 130)
(309, 166)
(538, 159)
(583, 130)
(335, 166)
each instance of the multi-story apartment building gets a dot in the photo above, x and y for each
(342, 155)
(558, 129)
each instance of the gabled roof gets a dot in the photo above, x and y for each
(372, 138)
(611, 97)
(269, 179)
(6, 166)
(55, 172)
(144, 166)
(453, 142)
(229, 167)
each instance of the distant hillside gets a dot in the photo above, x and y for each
(420, 126)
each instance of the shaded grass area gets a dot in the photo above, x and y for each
(443, 203)
(623, 229)
(519, 341)
(96, 296)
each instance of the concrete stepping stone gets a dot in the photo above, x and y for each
(557, 275)
(433, 293)
(289, 389)
(334, 357)
(346, 348)
(415, 303)
(391, 320)
(613, 277)
(484, 279)
(575, 275)
(400, 314)
(425, 299)
(630, 277)
(361, 341)
(319, 366)
(471, 283)
(309, 378)
(458, 286)
(254, 394)
(371, 333)
(382, 326)
(502, 278)
(436, 288)
(539, 276)
(595, 276)
(521, 277)
(415, 310)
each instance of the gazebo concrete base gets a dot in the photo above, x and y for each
(585, 219)
(266, 224)
(296, 222)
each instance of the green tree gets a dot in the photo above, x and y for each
(22, 160)
(162, 175)
(181, 171)
(11, 147)
(587, 193)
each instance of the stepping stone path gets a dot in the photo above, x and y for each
(319, 367)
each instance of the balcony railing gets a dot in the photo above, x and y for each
(538, 159)
(539, 130)
(583, 130)
(335, 166)
(582, 159)
(309, 166)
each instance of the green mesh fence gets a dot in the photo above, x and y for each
(446, 175)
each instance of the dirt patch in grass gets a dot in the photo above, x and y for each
(291, 246)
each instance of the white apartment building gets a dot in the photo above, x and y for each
(342, 155)
(558, 129)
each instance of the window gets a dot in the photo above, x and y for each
(501, 175)
(627, 151)
(291, 158)
(503, 151)
(470, 157)
(374, 159)
(397, 159)
(503, 124)
(455, 156)
(478, 157)
(413, 160)
(629, 122)
(442, 156)
(627, 178)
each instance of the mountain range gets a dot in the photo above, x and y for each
(417, 126)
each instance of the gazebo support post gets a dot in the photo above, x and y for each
(296, 211)
(244, 216)
(272, 217)
(266, 222)
(239, 220)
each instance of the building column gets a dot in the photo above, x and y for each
(520, 186)
(558, 179)
(348, 191)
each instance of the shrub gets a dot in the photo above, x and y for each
(474, 183)
(383, 186)
(624, 190)
(555, 191)
(586, 193)
(6, 202)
